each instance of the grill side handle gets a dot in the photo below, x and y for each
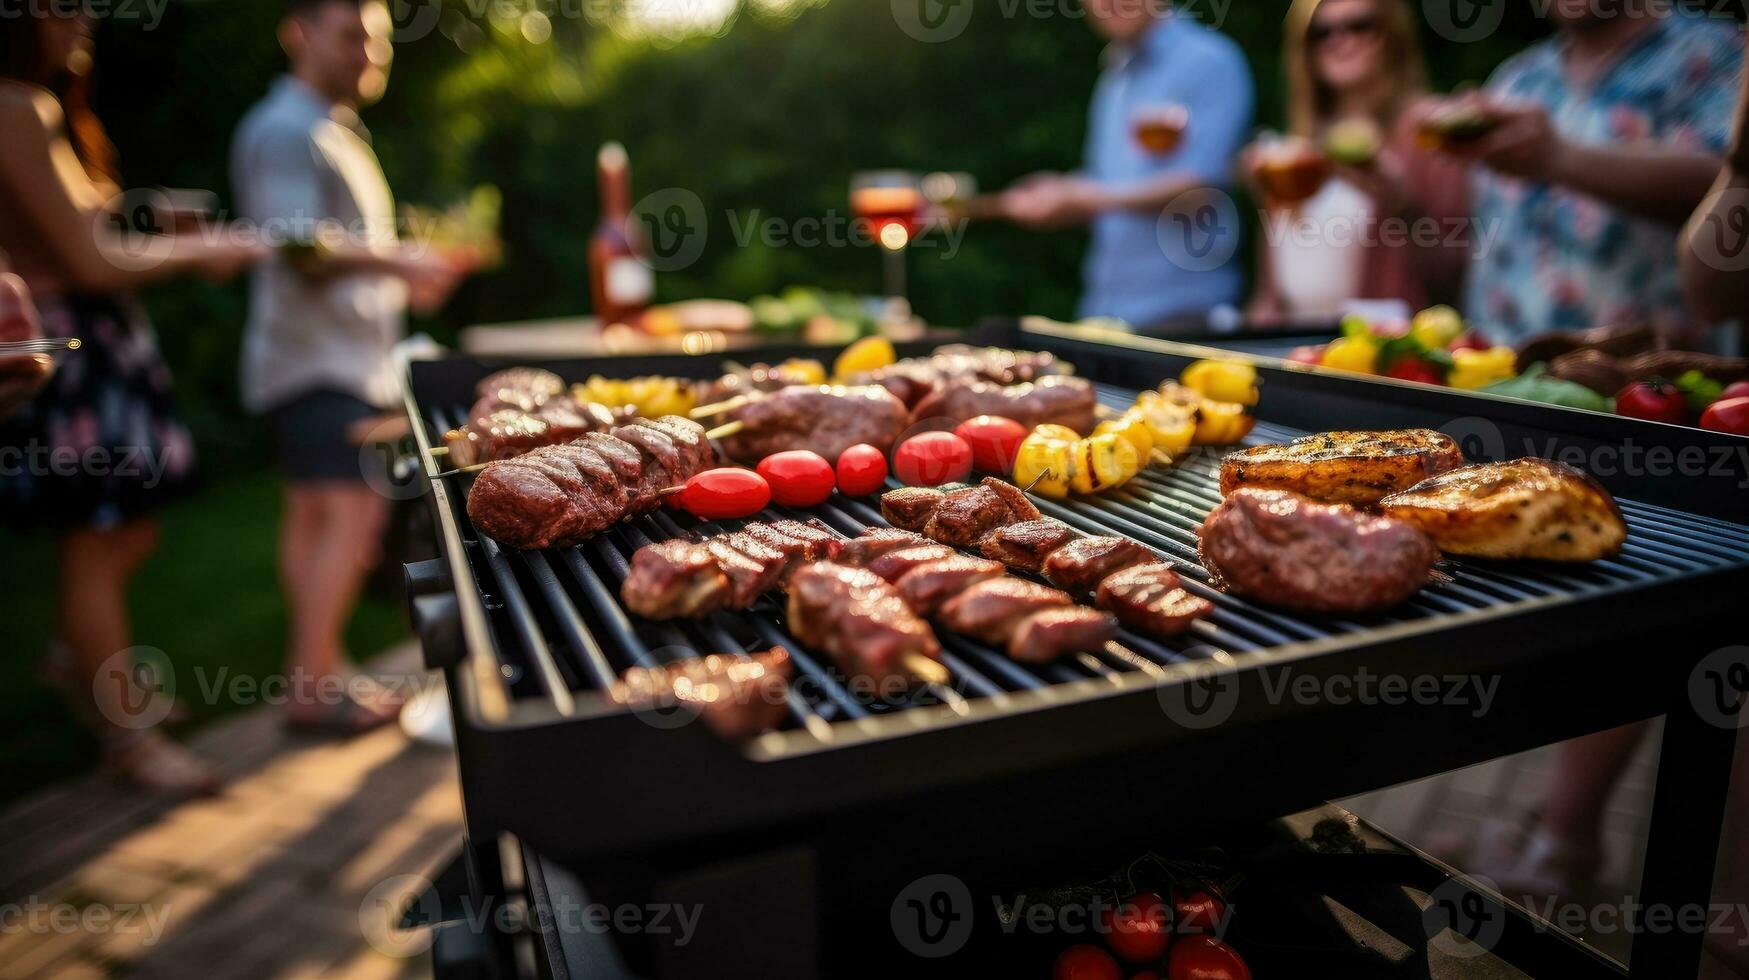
(435, 613)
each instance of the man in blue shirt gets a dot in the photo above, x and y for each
(1164, 229)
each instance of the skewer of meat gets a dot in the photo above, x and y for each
(508, 432)
(827, 419)
(914, 378)
(1132, 582)
(558, 496)
(736, 696)
(1055, 400)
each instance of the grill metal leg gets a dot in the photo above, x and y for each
(1688, 810)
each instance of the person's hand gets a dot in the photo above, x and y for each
(1523, 142)
(432, 277)
(20, 377)
(18, 316)
(1052, 203)
(1385, 181)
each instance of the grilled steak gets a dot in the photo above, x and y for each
(1357, 468)
(963, 517)
(675, 580)
(893, 565)
(821, 543)
(909, 508)
(930, 584)
(1080, 565)
(1026, 545)
(749, 578)
(735, 696)
(825, 419)
(859, 620)
(1151, 598)
(991, 610)
(875, 542)
(1526, 508)
(1045, 636)
(525, 388)
(1280, 548)
(1054, 400)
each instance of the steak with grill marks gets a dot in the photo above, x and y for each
(1026, 545)
(1080, 565)
(1152, 598)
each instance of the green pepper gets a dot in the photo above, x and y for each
(1700, 390)
(1532, 385)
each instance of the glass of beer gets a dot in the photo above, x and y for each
(1291, 169)
(1159, 129)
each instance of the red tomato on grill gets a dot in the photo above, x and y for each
(724, 494)
(931, 459)
(995, 442)
(1205, 958)
(1084, 962)
(1138, 930)
(1727, 415)
(1654, 401)
(862, 470)
(798, 478)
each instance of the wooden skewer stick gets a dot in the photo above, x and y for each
(440, 450)
(41, 345)
(706, 411)
(477, 467)
(926, 670)
(725, 431)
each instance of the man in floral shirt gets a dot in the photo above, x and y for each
(1609, 135)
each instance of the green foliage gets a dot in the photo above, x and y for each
(767, 120)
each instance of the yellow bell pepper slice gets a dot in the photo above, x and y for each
(866, 354)
(1223, 381)
(1103, 462)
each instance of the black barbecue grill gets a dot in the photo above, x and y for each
(530, 639)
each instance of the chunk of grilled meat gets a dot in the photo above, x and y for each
(1055, 400)
(805, 545)
(991, 610)
(820, 543)
(1525, 508)
(676, 580)
(963, 517)
(1357, 468)
(523, 388)
(749, 577)
(909, 508)
(1152, 598)
(558, 496)
(913, 378)
(877, 541)
(1283, 549)
(502, 432)
(1051, 633)
(894, 564)
(825, 419)
(734, 696)
(927, 586)
(1080, 565)
(859, 620)
(1027, 544)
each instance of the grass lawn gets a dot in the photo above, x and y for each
(209, 599)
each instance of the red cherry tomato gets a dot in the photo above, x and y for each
(1736, 389)
(1469, 341)
(862, 471)
(1411, 368)
(931, 459)
(1084, 962)
(1205, 958)
(724, 494)
(1137, 930)
(995, 442)
(1654, 401)
(1727, 415)
(1197, 911)
(798, 478)
(1308, 355)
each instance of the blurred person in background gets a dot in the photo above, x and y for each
(317, 357)
(1606, 137)
(21, 377)
(1715, 245)
(109, 408)
(1159, 61)
(1352, 69)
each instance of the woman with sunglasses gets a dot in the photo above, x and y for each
(1352, 69)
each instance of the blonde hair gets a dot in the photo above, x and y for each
(1309, 101)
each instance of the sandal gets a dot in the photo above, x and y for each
(152, 762)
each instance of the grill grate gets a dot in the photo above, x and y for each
(559, 629)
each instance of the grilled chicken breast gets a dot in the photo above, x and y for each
(1356, 468)
(1525, 508)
